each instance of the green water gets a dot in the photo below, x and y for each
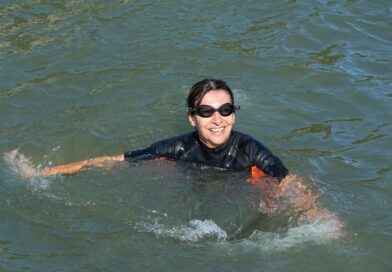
(80, 79)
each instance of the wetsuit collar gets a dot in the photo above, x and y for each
(218, 152)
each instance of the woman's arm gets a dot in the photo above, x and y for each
(305, 203)
(76, 166)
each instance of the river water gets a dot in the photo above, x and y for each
(83, 78)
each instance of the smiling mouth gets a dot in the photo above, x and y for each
(217, 130)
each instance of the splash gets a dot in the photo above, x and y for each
(24, 168)
(309, 223)
(320, 230)
(195, 231)
(19, 164)
(292, 200)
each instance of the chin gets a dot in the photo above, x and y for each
(214, 140)
(214, 143)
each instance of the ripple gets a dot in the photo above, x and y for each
(313, 129)
(373, 135)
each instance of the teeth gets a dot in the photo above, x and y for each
(216, 129)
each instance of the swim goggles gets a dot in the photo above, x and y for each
(207, 111)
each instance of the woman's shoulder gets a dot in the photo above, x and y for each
(176, 144)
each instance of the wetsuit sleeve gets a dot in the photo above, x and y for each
(141, 154)
(169, 148)
(263, 158)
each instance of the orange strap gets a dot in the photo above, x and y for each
(257, 173)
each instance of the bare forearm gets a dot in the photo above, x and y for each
(77, 166)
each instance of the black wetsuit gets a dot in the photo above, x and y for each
(240, 152)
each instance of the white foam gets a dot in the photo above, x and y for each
(19, 164)
(24, 168)
(195, 231)
(320, 230)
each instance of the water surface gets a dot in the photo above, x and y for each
(80, 79)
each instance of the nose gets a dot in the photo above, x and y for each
(216, 118)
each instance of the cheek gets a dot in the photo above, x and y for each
(198, 122)
(202, 122)
(230, 120)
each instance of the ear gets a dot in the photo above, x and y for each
(233, 119)
(191, 119)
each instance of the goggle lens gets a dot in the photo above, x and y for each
(207, 111)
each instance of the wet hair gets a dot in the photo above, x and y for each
(199, 90)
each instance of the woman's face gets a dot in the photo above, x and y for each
(214, 130)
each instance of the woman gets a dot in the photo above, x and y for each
(211, 111)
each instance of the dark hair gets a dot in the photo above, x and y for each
(199, 90)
